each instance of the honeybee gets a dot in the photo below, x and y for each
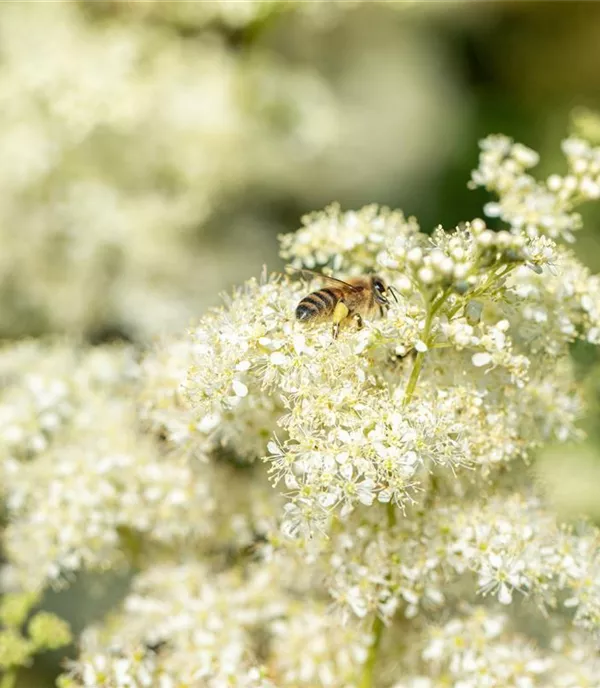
(357, 298)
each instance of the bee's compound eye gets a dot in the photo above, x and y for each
(379, 285)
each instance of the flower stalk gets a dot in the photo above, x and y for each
(369, 665)
(378, 625)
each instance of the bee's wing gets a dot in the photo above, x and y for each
(326, 278)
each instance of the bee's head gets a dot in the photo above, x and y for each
(381, 291)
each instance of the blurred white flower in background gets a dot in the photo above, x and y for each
(129, 152)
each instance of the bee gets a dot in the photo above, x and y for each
(355, 299)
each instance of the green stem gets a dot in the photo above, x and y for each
(391, 515)
(418, 364)
(366, 680)
(412, 380)
(492, 278)
(432, 308)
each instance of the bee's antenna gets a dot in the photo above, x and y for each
(393, 293)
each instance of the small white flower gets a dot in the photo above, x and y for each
(414, 256)
(478, 225)
(404, 285)
(590, 188)
(504, 594)
(524, 155)
(299, 343)
(279, 359)
(209, 422)
(239, 388)
(365, 492)
(481, 359)
(492, 209)
(554, 182)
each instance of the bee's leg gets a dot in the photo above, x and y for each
(359, 321)
(340, 313)
(384, 309)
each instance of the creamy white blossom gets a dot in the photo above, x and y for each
(299, 509)
(479, 648)
(113, 175)
(531, 206)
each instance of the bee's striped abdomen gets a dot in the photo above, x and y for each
(319, 303)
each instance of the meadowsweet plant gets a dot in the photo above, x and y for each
(114, 179)
(141, 189)
(298, 510)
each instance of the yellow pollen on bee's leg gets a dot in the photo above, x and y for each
(340, 313)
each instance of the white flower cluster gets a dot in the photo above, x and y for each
(510, 544)
(344, 432)
(109, 174)
(84, 488)
(481, 649)
(187, 625)
(534, 207)
(349, 241)
(302, 510)
(559, 307)
(488, 317)
(68, 479)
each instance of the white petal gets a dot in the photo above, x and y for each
(277, 358)
(290, 482)
(239, 388)
(481, 359)
(299, 343)
(209, 422)
(505, 594)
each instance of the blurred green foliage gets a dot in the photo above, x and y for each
(21, 639)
